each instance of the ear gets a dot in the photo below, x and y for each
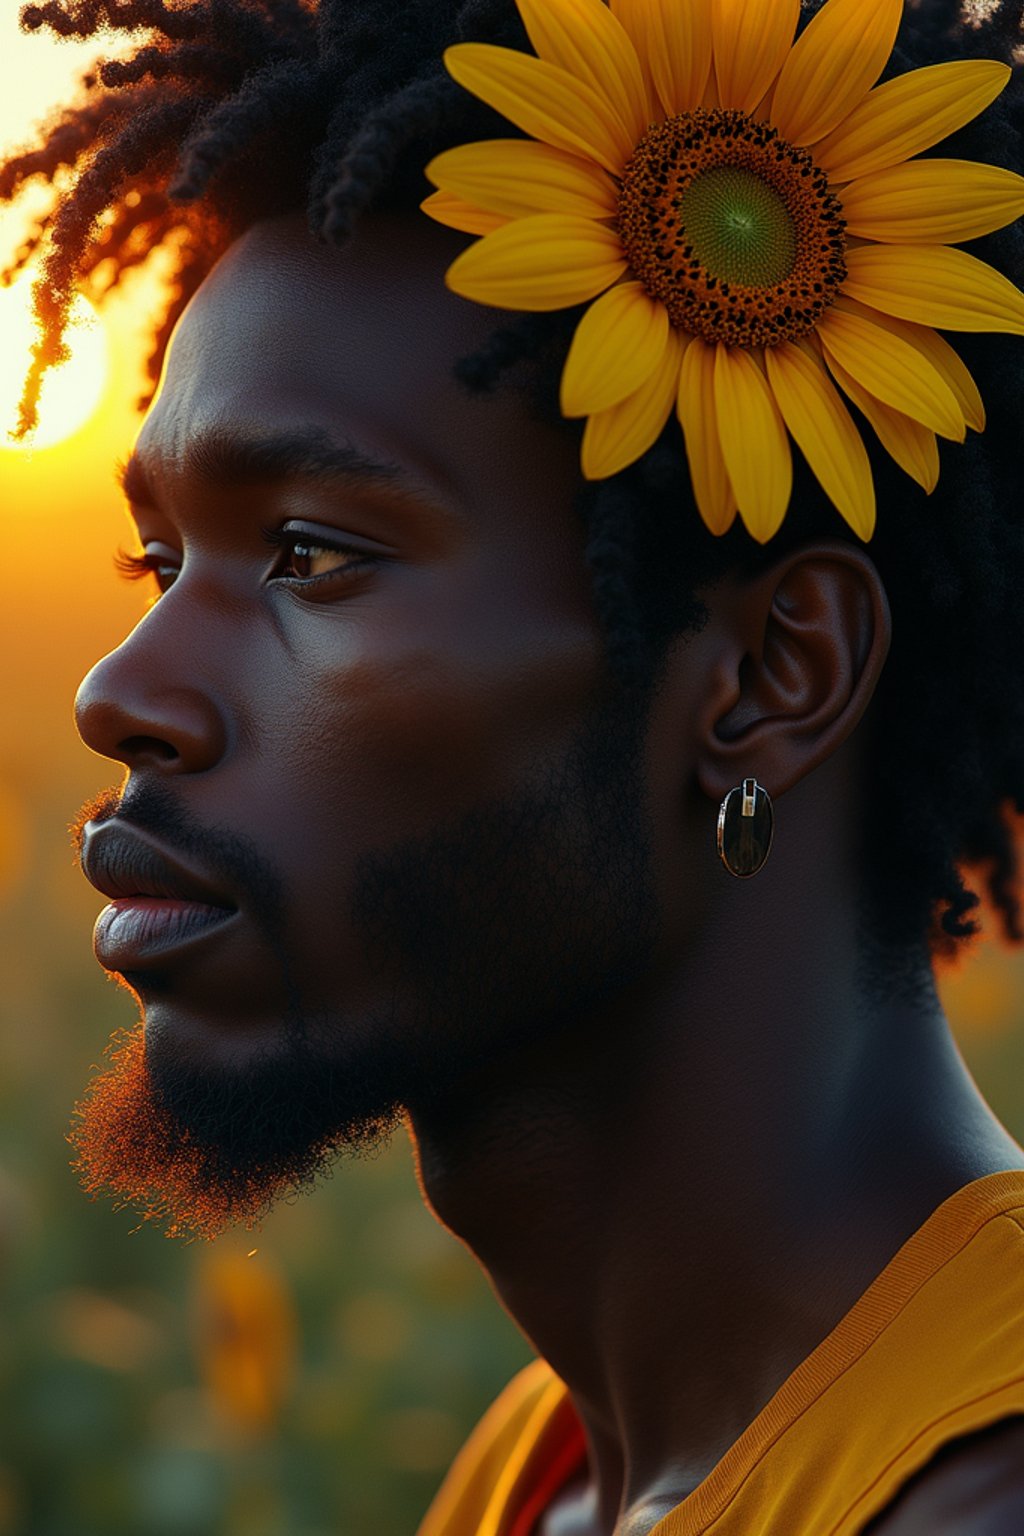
(800, 650)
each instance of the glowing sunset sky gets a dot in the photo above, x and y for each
(61, 606)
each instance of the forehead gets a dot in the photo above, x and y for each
(359, 343)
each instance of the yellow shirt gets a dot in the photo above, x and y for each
(933, 1349)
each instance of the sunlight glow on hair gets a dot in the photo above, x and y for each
(72, 392)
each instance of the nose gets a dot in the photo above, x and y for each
(144, 710)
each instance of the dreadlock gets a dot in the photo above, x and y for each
(230, 111)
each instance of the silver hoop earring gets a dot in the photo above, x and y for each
(746, 825)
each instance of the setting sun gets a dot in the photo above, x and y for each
(70, 393)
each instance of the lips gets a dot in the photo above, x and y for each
(120, 862)
(157, 904)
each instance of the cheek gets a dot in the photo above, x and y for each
(423, 708)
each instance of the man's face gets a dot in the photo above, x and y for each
(413, 776)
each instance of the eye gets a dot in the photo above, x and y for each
(137, 567)
(312, 558)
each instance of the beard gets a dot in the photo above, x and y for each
(198, 1151)
(490, 934)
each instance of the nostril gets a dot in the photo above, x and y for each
(137, 748)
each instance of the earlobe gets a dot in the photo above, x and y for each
(802, 648)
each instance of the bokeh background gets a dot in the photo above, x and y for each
(316, 1377)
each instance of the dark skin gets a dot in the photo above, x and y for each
(446, 678)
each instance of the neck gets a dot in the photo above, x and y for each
(678, 1202)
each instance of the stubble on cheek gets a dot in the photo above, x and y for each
(520, 916)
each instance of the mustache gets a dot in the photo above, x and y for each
(231, 858)
(100, 808)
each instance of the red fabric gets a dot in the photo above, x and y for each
(569, 1458)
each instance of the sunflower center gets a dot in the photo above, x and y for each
(738, 226)
(733, 229)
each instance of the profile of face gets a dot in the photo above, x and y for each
(370, 712)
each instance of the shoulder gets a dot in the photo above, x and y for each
(974, 1486)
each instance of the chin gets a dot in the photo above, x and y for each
(180, 1038)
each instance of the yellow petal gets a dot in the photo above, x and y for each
(925, 202)
(588, 42)
(948, 362)
(631, 14)
(616, 438)
(752, 42)
(834, 63)
(446, 208)
(754, 442)
(914, 447)
(517, 177)
(939, 353)
(890, 368)
(547, 261)
(617, 346)
(696, 410)
(543, 100)
(934, 285)
(909, 114)
(825, 432)
(678, 42)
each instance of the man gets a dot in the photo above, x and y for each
(420, 820)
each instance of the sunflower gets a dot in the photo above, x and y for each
(746, 212)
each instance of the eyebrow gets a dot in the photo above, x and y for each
(233, 458)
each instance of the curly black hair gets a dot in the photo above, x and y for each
(230, 111)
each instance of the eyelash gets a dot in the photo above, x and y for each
(138, 567)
